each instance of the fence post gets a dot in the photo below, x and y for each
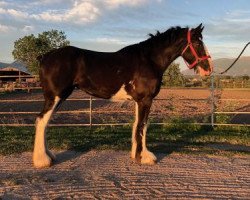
(90, 112)
(212, 99)
(19, 76)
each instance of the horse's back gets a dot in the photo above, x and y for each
(98, 73)
(58, 69)
(70, 57)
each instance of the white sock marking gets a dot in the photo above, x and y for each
(144, 146)
(40, 138)
(147, 157)
(134, 143)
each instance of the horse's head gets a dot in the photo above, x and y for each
(195, 53)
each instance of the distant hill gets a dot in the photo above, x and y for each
(3, 65)
(15, 64)
(242, 66)
(19, 66)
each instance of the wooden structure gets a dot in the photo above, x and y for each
(12, 74)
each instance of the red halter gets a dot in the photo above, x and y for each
(197, 58)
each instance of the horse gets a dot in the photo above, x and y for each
(133, 72)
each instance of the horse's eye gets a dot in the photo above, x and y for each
(200, 45)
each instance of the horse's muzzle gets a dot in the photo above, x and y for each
(203, 72)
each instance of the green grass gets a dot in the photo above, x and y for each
(176, 137)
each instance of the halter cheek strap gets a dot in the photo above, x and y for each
(197, 58)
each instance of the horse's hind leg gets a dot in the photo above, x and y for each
(42, 157)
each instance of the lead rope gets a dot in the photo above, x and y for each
(236, 59)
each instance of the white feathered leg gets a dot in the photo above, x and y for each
(147, 157)
(42, 157)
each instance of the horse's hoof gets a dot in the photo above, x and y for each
(148, 158)
(42, 162)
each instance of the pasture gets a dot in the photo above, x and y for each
(195, 161)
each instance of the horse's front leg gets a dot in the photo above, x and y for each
(139, 147)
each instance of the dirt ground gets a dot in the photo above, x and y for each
(112, 175)
(187, 104)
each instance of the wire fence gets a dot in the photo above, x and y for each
(212, 111)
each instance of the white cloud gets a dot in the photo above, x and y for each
(80, 13)
(14, 13)
(3, 11)
(117, 3)
(105, 40)
(17, 14)
(77, 11)
(50, 16)
(83, 12)
(238, 16)
(3, 3)
(6, 29)
(47, 2)
(28, 28)
(234, 26)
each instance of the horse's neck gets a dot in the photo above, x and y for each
(168, 54)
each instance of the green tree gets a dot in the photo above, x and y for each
(28, 48)
(173, 76)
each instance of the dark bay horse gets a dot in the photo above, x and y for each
(134, 72)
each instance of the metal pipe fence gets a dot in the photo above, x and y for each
(89, 111)
(212, 100)
(214, 112)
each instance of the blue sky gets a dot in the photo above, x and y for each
(108, 25)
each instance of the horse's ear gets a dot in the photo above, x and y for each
(199, 28)
(197, 32)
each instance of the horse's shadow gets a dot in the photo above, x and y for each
(182, 144)
(187, 142)
(162, 148)
(65, 156)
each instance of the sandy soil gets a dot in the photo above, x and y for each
(112, 175)
(191, 104)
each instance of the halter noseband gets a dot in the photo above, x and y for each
(197, 58)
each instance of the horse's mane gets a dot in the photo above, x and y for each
(168, 37)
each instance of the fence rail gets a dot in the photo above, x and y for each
(91, 111)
